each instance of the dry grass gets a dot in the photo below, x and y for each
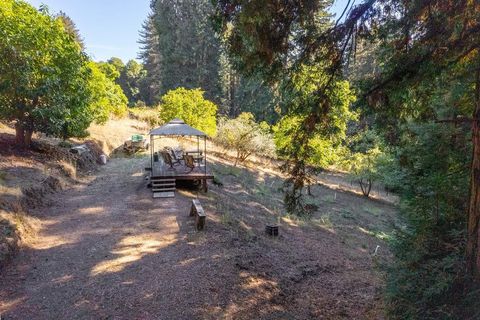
(140, 257)
(147, 115)
(15, 227)
(6, 129)
(320, 266)
(114, 133)
(68, 169)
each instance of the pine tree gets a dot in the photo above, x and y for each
(149, 40)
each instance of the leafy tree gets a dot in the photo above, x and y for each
(190, 106)
(247, 94)
(131, 80)
(302, 139)
(110, 70)
(128, 76)
(117, 63)
(71, 28)
(366, 160)
(245, 136)
(43, 74)
(427, 280)
(107, 98)
(324, 151)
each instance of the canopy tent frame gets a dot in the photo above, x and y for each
(178, 128)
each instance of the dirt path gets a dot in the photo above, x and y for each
(97, 255)
(107, 250)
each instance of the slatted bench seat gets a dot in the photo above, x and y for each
(197, 211)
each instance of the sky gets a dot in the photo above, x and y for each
(110, 28)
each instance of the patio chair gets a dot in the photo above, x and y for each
(167, 158)
(177, 155)
(174, 156)
(189, 163)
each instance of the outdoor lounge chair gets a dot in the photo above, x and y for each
(167, 158)
(175, 155)
(189, 163)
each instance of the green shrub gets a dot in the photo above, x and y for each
(191, 107)
(245, 137)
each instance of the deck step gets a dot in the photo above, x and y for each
(159, 186)
(164, 195)
(163, 189)
(161, 183)
(162, 179)
(163, 186)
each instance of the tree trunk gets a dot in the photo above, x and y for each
(236, 158)
(28, 138)
(19, 135)
(232, 85)
(473, 240)
(366, 187)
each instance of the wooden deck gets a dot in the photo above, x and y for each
(180, 172)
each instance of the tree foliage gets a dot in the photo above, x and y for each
(427, 280)
(304, 138)
(151, 57)
(130, 77)
(247, 94)
(180, 47)
(368, 160)
(190, 106)
(43, 74)
(71, 28)
(324, 151)
(107, 97)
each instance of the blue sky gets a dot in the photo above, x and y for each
(110, 28)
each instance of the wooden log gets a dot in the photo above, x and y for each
(200, 216)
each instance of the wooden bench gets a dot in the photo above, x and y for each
(197, 211)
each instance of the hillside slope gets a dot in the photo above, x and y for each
(29, 177)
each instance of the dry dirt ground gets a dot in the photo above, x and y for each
(106, 250)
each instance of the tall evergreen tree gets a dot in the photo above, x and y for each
(242, 93)
(187, 50)
(150, 55)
